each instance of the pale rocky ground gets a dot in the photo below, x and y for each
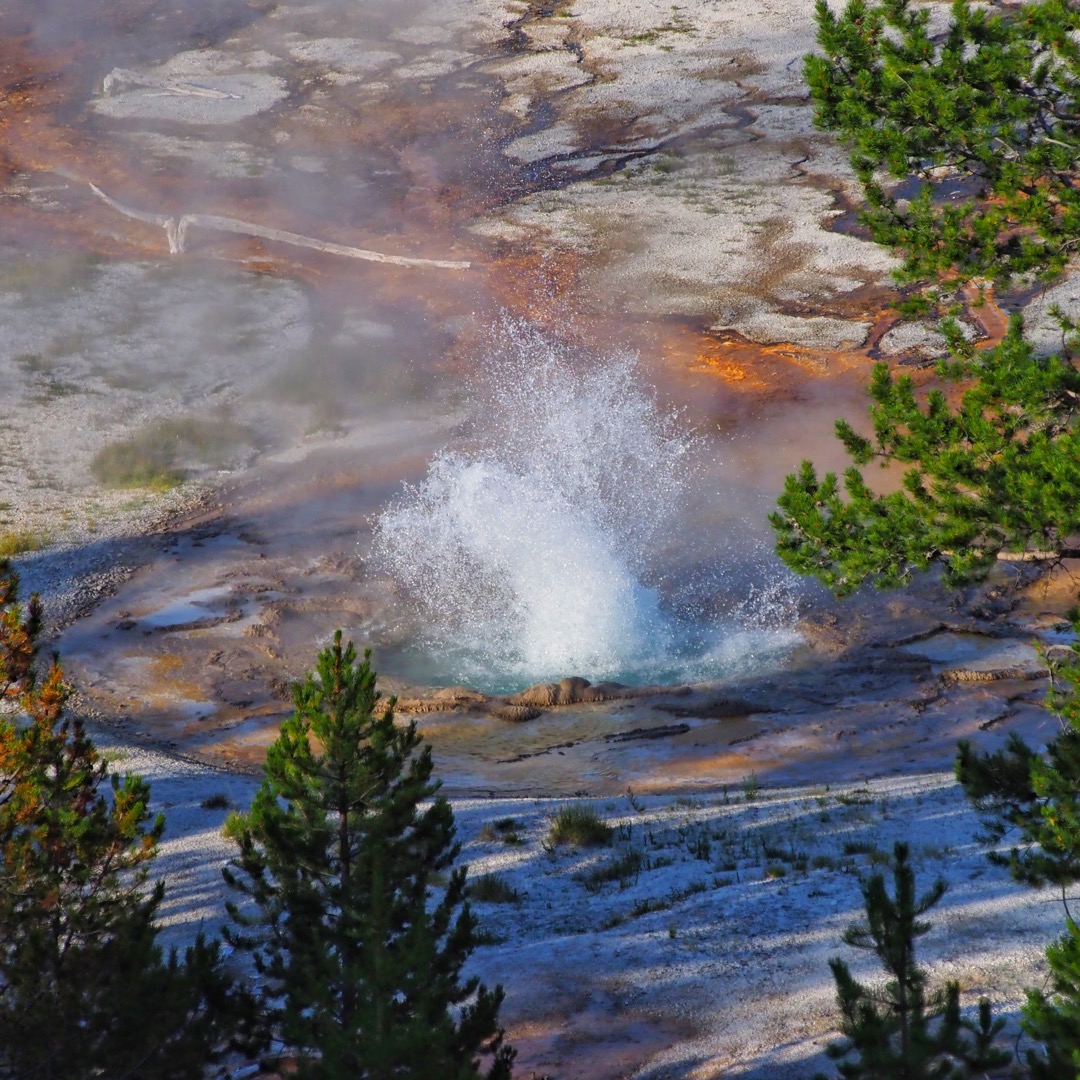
(665, 155)
(711, 959)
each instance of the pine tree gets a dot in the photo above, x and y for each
(995, 476)
(360, 959)
(982, 120)
(1054, 1021)
(84, 988)
(900, 1031)
(1035, 798)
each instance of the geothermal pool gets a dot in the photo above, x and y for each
(542, 443)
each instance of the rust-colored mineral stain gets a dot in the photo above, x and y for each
(981, 306)
(698, 352)
(778, 369)
(31, 87)
(716, 769)
(532, 280)
(596, 1044)
(246, 751)
(770, 370)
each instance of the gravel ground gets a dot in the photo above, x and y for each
(708, 955)
(73, 575)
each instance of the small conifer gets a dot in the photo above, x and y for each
(900, 1031)
(358, 944)
(1034, 798)
(84, 988)
(1053, 1020)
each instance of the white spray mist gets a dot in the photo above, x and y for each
(533, 554)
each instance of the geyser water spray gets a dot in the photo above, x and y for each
(535, 553)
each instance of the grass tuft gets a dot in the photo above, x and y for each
(623, 868)
(505, 829)
(153, 457)
(492, 889)
(579, 826)
(20, 541)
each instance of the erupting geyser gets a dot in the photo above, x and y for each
(536, 552)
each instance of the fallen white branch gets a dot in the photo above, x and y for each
(123, 77)
(138, 215)
(1038, 556)
(176, 232)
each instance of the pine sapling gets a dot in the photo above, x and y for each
(79, 959)
(359, 950)
(900, 1031)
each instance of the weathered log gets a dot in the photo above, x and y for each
(1038, 556)
(226, 224)
(123, 77)
(176, 233)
